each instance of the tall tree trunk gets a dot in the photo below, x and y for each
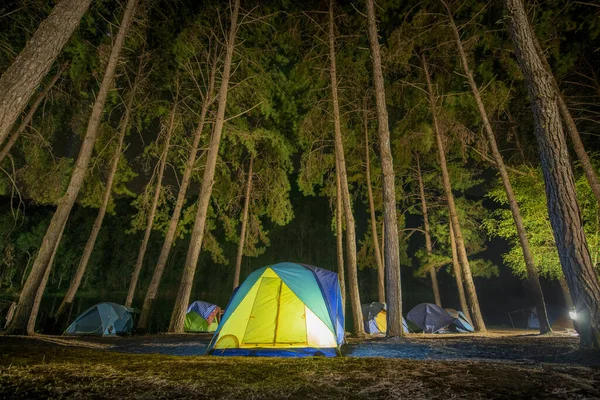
(152, 291)
(564, 287)
(376, 249)
(151, 215)
(339, 231)
(351, 262)
(27, 120)
(240, 252)
(393, 289)
(565, 216)
(91, 242)
(460, 244)
(18, 324)
(532, 273)
(571, 127)
(428, 246)
(19, 81)
(40, 293)
(187, 279)
(458, 275)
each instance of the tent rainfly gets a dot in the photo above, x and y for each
(429, 317)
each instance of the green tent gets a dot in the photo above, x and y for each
(202, 317)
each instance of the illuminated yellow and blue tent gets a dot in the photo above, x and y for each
(283, 310)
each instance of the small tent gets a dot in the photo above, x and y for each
(202, 317)
(461, 323)
(375, 318)
(103, 319)
(558, 317)
(284, 310)
(429, 317)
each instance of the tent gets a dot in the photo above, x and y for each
(103, 319)
(284, 310)
(558, 317)
(429, 317)
(202, 317)
(375, 318)
(461, 323)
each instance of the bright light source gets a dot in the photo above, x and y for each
(573, 315)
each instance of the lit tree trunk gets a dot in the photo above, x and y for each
(40, 293)
(565, 216)
(428, 246)
(339, 231)
(18, 324)
(340, 164)
(91, 242)
(240, 252)
(376, 249)
(564, 287)
(185, 287)
(150, 222)
(532, 273)
(152, 291)
(458, 275)
(27, 120)
(460, 244)
(393, 290)
(19, 81)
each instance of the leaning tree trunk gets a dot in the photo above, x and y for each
(532, 273)
(152, 291)
(340, 164)
(393, 289)
(460, 244)
(27, 120)
(187, 279)
(565, 216)
(240, 252)
(18, 324)
(40, 293)
(458, 275)
(339, 231)
(19, 81)
(91, 242)
(571, 127)
(376, 249)
(150, 221)
(428, 246)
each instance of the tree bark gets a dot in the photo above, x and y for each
(40, 292)
(565, 216)
(240, 252)
(460, 244)
(26, 299)
(185, 287)
(91, 242)
(339, 231)
(376, 249)
(19, 81)
(393, 289)
(458, 275)
(351, 262)
(428, 246)
(532, 273)
(27, 120)
(151, 215)
(152, 291)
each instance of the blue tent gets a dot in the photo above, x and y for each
(103, 319)
(429, 317)
(461, 323)
(375, 318)
(283, 310)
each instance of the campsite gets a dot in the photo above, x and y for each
(300, 199)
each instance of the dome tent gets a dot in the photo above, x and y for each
(461, 323)
(429, 317)
(285, 310)
(201, 317)
(375, 318)
(103, 319)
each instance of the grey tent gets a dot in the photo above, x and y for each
(429, 317)
(103, 319)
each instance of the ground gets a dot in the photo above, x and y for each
(496, 365)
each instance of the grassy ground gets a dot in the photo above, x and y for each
(52, 367)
